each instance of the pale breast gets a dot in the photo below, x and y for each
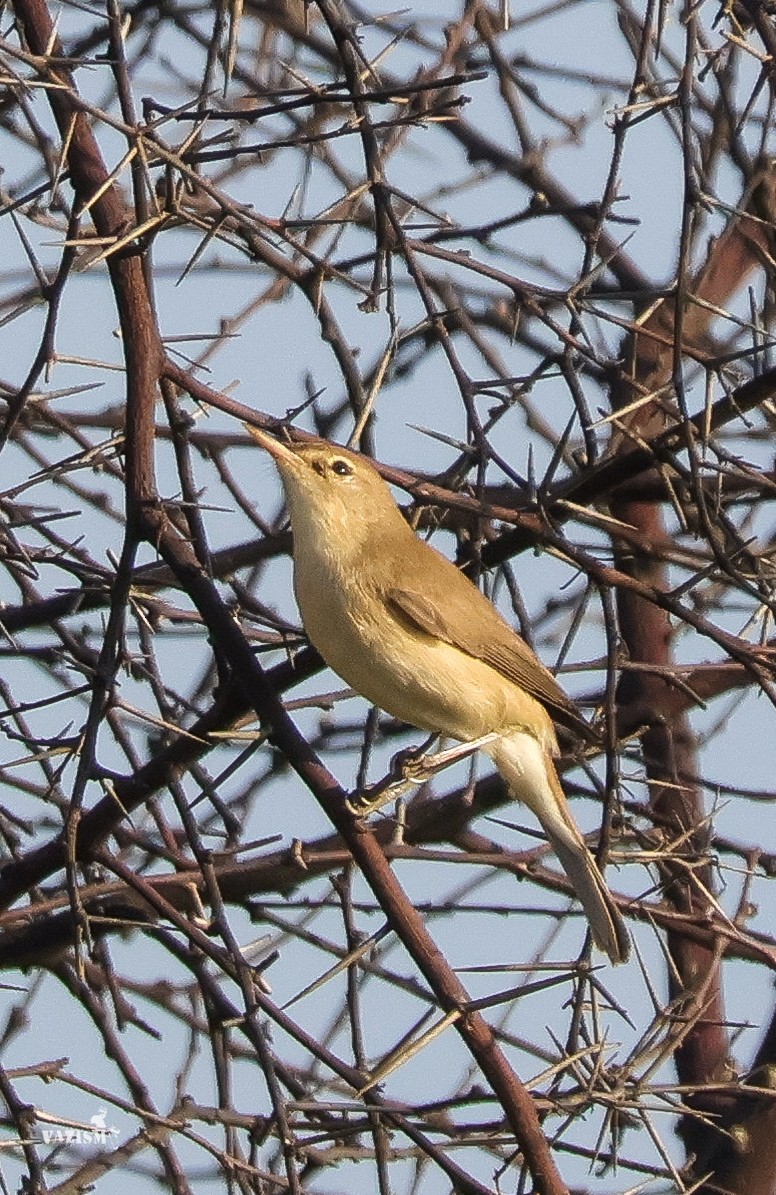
(414, 677)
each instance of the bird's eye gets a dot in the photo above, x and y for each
(342, 468)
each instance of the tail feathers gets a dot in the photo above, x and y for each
(531, 777)
(606, 924)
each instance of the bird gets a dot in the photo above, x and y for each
(405, 628)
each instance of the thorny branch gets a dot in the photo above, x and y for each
(393, 222)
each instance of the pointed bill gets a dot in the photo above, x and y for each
(281, 452)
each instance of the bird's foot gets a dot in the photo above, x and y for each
(394, 786)
(410, 769)
(425, 767)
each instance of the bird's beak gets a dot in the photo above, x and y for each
(282, 453)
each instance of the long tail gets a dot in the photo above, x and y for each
(528, 771)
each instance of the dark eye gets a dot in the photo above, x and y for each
(341, 468)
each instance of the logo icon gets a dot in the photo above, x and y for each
(73, 1132)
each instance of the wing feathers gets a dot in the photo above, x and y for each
(466, 619)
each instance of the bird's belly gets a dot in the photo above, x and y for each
(415, 677)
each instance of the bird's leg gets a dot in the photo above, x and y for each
(411, 768)
(395, 784)
(423, 768)
(403, 762)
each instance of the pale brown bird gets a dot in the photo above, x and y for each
(401, 625)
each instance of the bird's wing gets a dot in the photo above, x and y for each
(475, 627)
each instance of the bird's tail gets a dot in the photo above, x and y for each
(528, 770)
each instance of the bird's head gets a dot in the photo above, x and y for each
(331, 492)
